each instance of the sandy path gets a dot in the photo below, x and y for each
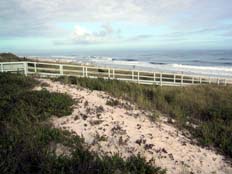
(125, 130)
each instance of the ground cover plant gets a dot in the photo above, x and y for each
(28, 142)
(9, 57)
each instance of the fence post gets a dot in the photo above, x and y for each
(83, 71)
(133, 75)
(218, 82)
(225, 82)
(109, 73)
(113, 74)
(25, 68)
(86, 71)
(2, 67)
(138, 77)
(182, 80)
(174, 78)
(35, 67)
(200, 80)
(161, 78)
(61, 70)
(154, 78)
(192, 80)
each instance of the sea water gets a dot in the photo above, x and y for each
(217, 63)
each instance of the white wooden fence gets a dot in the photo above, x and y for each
(141, 77)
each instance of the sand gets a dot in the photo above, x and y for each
(126, 130)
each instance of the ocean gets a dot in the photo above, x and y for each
(217, 63)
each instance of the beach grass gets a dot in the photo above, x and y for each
(205, 110)
(9, 57)
(28, 141)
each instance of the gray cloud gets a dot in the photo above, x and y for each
(82, 36)
(140, 37)
(216, 30)
(22, 18)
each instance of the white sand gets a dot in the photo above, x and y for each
(129, 132)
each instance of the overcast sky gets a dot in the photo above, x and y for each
(51, 25)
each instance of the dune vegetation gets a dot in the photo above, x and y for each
(9, 57)
(206, 111)
(29, 143)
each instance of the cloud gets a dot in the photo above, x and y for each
(38, 18)
(82, 36)
(140, 37)
(107, 34)
(220, 31)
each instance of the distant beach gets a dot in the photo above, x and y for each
(208, 62)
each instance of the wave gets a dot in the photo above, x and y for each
(100, 58)
(157, 63)
(222, 69)
(203, 67)
(227, 63)
(212, 62)
(129, 60)
(224, 58)
(201, 61)
(63, 57)
(216, 71)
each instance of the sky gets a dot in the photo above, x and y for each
(34, 26)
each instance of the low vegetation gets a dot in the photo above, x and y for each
(205, 110)
(112, 102)
(28, 143)
(9, 57)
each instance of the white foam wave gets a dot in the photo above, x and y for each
(210, 68)
(100, 58)
(216, 71)
(175, 68)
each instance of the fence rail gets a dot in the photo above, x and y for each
(141, 77)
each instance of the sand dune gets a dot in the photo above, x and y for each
(126, 130)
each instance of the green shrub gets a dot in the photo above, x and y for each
(112, 102)
(9, 57)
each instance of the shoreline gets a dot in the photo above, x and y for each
(211, 71)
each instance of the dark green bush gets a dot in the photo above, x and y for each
(11, 84)
(112, 102)
(9, 57)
